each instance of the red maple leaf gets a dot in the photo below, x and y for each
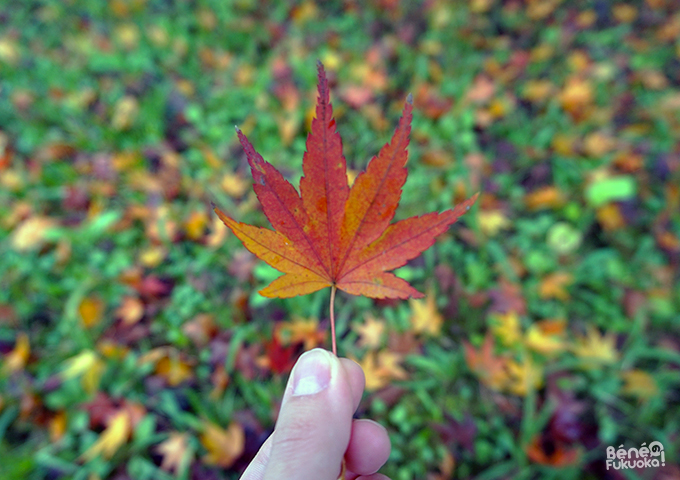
(331, 235)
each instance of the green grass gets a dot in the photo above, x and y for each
(116, 133)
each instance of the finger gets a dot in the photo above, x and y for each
(357, 380)
(368, 449)
(255, 470)
(314, 425)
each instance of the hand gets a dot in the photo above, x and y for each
(315, 429)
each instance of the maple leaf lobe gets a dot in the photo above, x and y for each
(331, 234)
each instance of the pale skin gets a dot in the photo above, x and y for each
(315, 430)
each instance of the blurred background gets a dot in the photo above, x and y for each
(133, 342)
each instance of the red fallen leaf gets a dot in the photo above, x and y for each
(507, 298)
(278, 358)
(331, 235)
(454, 433)
(432, 103)
(549, 452)
(152, 287)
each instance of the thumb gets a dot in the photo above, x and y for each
(314, 424)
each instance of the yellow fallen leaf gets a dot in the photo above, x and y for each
(541, 337)
(176, 452)
(538, 90)
(576, 97)
(523, 377)
(639, 384)
(90, 311)
(598, 144)
(370, 332)
(112, 438)
(31, 234)
(128, 35)
(17, 358)
(301, 330)
(124, 113)
(596, 349)
(381, 367)
(539, 9)
(624, 13)
(224, 446)
(174, 370)
(57, 426)
(610, 217)
(234, 185)
(195, 226)
(86, 365)
(554, 286)
(218, 233)
(9, 52)
(492, 222)
(544, 197)
(152, 256)
(425, 318)
(507, 328)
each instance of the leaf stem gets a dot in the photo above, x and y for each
(335, 348)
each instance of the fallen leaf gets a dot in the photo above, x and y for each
(224, 446)
(31, 234)
(507, 297)
(403, 342)
(554, 286)
(596, 349)
(131, 310)
(196, 225)
(540, 9)
(380, 368)
(555, 455)
(491, 222)
(176, 452)
(112, 438)
(523, 376)
(200, 329)
(425, 318)
(437, 157)
(597, 144)
(331, 234)
(16, 359)
(507, 328)
(218, 232)
(174, 370)
(639, 384)
(458, 433)
(90, 311)
(546, 337)
(483, 88)
(301, 330)
(370, 332)
(278, 358)
(88, 366)
(576, 97)
(538, 90)
(610, 217)
(545, 197)
(220, 380)
(57, 426)
(490, 368)
(124, 113)
(356, 96)
(624, 13)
